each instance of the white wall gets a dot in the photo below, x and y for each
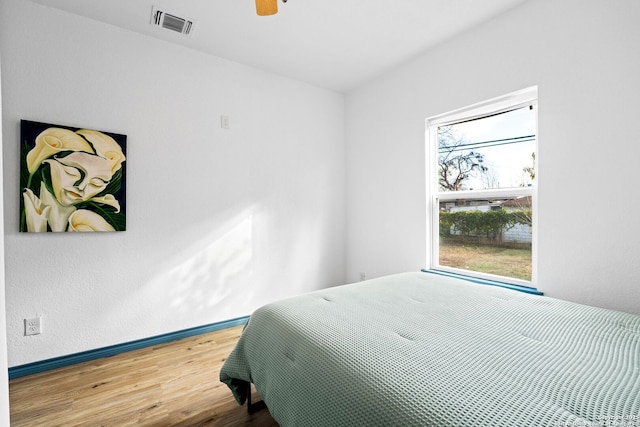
(4, 374)
(218, 221)
(583, 55)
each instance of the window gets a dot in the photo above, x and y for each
(482, 181)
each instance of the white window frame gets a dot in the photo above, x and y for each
(523, 98)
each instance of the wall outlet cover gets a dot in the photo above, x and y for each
(33, 326)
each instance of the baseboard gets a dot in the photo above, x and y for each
(85, 356)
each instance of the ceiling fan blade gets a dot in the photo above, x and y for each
(266, 7)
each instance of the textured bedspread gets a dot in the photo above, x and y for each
(418, 349)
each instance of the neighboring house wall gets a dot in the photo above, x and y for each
(583, 56)
(519, 233)
(219, 221)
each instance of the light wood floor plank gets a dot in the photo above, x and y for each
(172, 384)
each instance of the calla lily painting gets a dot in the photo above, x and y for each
(71, 179)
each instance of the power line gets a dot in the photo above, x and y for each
(486, 144)
(461, 148)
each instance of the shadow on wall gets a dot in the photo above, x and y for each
(225, 267)
(204, 277)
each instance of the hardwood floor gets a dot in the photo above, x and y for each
(173, 384)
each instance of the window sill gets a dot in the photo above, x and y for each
(519, 288)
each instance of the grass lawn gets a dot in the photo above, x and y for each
(486, 258)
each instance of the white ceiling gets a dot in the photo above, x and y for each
(335, 44)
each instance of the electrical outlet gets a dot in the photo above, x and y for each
(33, 326)
(363, 276)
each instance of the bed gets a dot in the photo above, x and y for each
(420, 349)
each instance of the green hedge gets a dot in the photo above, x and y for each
(489, 224)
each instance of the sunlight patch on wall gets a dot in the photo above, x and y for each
(202, 278)
(206, 278)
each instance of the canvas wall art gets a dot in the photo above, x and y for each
(71, 179)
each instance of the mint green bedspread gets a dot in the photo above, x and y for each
(417, 349)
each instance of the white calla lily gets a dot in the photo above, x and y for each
(51, 141)
(85, 220)
(110, 200)
(105, 147)
(36, 212)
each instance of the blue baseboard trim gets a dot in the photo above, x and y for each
(86, 356)
(519, 288)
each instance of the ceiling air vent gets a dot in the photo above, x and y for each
(170, 21)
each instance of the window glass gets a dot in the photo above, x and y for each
(484, 190)
(487, 235)
(497, 151)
